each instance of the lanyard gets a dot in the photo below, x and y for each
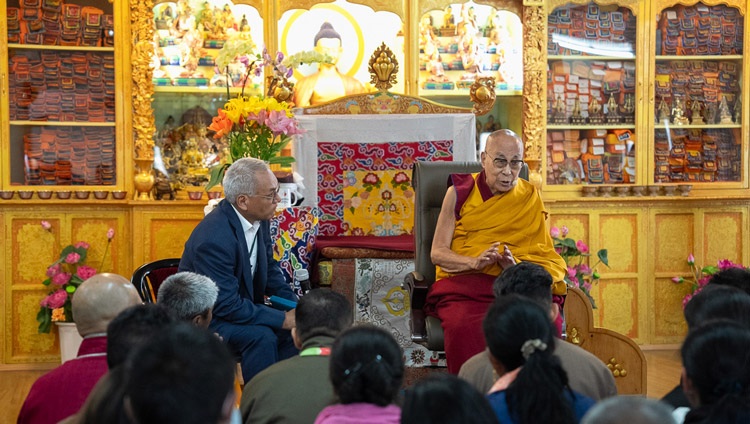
(316, 351)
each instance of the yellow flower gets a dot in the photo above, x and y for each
(58, 314)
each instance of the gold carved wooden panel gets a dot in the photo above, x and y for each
(93, 230)
(618, 305)
(619, 235)
(34, 248)
(667, 320)
(673, 241)
(167, 237)
(723, 232)
(23, 343)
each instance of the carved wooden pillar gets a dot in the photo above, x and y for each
(534, 86)
(141, 15)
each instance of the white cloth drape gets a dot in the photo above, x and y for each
(460, 128)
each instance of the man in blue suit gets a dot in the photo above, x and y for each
(232, 246)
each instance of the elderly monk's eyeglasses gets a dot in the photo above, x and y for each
(515, 164)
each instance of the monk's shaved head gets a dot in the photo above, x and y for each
(99, 299)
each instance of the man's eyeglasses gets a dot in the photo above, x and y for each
(515, 164)
(273, 196)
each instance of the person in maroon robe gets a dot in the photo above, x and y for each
(62, 391)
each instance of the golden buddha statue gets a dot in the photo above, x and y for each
(327, 83)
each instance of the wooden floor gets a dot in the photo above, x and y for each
(663, 374)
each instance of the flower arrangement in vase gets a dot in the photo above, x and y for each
(576, 254)
(63, 277)
(702, 275)
(256, 126)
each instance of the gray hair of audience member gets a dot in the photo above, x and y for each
(322, 312)
(188, 295)
(99, 299)
(240, 178)
(132, 328)
(183, 375)
(629, 410)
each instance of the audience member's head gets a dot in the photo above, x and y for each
(321, 312)
(189, 296)
(716, 372)
(99, 299)
(519, 333)
(629, 410)
(366, 366)
(132, 328)
(445, 399)
(184, 375)
(736, 277)
(526, 279)
(718, 301)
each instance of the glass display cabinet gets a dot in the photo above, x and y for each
(61, 103)
(697, 84)
(591, 95)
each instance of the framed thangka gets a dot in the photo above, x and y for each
(330, 45)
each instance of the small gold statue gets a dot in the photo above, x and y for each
(558, 111)
(595, 111)
(678, 112)
(695, 109)
(613, 114)
(663, 112)
(725, 117)
(629, 109)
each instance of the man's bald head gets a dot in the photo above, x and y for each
(99, 299)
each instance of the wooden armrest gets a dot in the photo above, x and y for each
(416, 285)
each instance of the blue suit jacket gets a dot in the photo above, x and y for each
(217, 248)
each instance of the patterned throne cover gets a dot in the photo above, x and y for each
(361, 166)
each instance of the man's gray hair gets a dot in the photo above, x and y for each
(627, 410)
(187, 294)
(240, 178)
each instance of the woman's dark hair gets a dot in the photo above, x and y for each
(718, 301)
(519, 333)
(716, 357)
(445, 399)
(366, 366)
(735, 277)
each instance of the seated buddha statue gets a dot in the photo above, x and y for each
(327, 83)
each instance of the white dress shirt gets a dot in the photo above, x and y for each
(251, 237)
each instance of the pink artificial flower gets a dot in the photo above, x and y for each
(110, 234)
(558, 250)
(564, 231)
(279, 57)
(587, 286)
(46, 225)
(55, 300)
(574, 281)
(81, 245)
(703, 281)
(581, 246)
(61, 278)
(726, 264)
(677, 280)
(572, 272)
(584, 269)
(72, 258)
(85, 272)
(53, 270)
(691, 259)
(554, 232)
(280, 123)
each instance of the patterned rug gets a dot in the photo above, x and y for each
(380, 300)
